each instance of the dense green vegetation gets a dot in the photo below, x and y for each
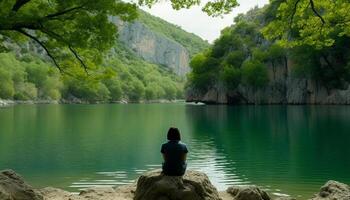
(246, 51)
(78, 39)
(192, 42)
(239, 55)
(76, 31)
(121, 76)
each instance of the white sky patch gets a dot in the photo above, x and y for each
(195, 21)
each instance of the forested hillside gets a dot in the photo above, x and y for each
(27, 74)
(247, 65)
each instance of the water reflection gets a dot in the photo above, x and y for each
(289, 150)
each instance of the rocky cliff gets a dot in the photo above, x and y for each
(153, 47)
(284, 88)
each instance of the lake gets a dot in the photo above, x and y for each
(287, 150)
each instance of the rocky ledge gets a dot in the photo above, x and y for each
(154, 186)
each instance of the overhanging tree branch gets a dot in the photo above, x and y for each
(63, 12)
(78, 57)
(61, 39)
(19, 4)
(293, 13)
(315, 11)
(42, 45)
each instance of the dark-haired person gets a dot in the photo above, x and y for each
(174, 154)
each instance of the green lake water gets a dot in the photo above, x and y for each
(287, 150)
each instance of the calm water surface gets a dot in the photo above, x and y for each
(288, 150)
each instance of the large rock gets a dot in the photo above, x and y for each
(251, 192)
(192, 186)
(96, 193)
(333, 190)
(13, 187)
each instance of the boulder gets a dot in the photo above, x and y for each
(13, 187)
(333, 190)
(250, 192)
(192, 186)
(50, 193)
(96, 193)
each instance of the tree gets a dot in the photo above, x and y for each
(308, 22)
(231, 77)
(80, 30)
(6, 87)
(254, 74)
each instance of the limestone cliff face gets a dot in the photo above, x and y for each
(153, 47)
(283, 88)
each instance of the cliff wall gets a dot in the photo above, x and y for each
(153, 47)
(284, 88)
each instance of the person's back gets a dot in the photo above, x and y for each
(174, 154)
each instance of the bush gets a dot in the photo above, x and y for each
(254, 74)
(114, 88)
(7, 89)
(26, 91)
(136, 90)
(231, 77)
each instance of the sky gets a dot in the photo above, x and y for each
(195, 21)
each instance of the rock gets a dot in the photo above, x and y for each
(108, 193)
(152, 46)
(247, 193)
(104, 193)
(50, 193)
(283, 88)
(333, 190)
(13, 187)
(192, 186)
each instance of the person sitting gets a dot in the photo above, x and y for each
(174, 154)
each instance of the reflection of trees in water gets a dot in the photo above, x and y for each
(280, 143)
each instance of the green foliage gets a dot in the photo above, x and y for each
(235, 58)
(28, 79)
(204, 71)
(212, 8)
(308, 22)
(231, 76)
(124, 76)
(6, 87)
(26, 91)
(314, 36)
(78, 30)
(254, 73)
(114, 86)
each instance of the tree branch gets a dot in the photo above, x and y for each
(63, 12)
(19, 4)
(60, 38)
(315, 11)
(42, 45)
(293, 14)
(78, 57)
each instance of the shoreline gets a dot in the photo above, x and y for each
(8, 102)
(153, 184)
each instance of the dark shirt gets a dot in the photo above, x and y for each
(174, 151)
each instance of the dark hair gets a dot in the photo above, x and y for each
(173, 134)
